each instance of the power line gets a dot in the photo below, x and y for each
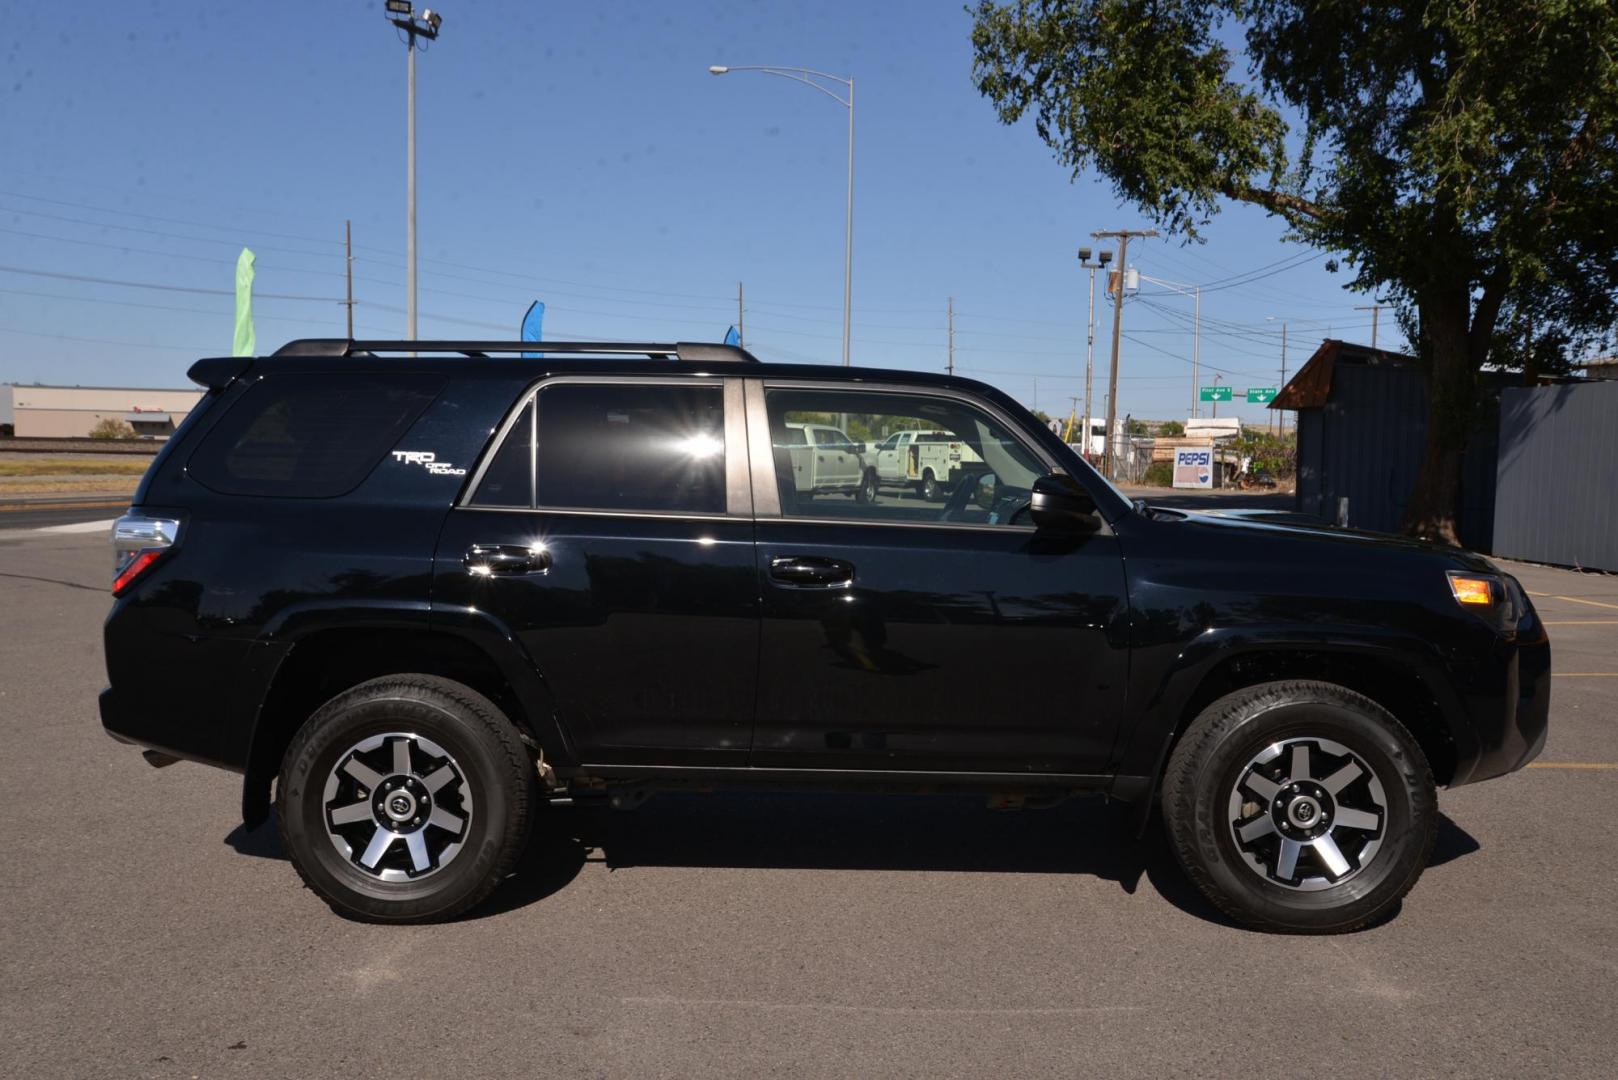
(162, 287)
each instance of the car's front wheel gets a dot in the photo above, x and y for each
(405, 799)
(1301, 807)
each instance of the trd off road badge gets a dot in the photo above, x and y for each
(429, 461)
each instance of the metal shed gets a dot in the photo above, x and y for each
(1557, 495)
(1362, 426)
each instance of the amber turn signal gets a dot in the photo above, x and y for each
(1471, 590)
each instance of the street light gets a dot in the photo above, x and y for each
(1102, 259)
(1281, 417)
(808, 76)
(1196, 335)
(400, 14)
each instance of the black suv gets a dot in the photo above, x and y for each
(420, 588)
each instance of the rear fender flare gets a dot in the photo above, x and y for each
(480, 630)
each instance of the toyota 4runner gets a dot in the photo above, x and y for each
(416, 590)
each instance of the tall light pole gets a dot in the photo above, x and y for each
(426, 27)
(1280, 416)
(1196, 331)
(1102, 259)
(808, 76)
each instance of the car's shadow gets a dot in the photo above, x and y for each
(849, 832)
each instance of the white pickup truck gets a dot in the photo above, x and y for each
(826, 461)
(929, 461)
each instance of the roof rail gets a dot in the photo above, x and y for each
(687, 351)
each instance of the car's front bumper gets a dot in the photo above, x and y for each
(1507, 697)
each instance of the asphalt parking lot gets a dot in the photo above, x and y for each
(146, 935)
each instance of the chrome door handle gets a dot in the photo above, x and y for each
(488, 559)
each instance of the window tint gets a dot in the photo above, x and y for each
(508, 479)
(616, 447)
(309, 436)
(963, 466)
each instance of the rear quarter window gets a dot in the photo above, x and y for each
(309, 436)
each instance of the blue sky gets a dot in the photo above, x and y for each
(582, 155)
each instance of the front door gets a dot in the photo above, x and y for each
(610, 535)
(907, 635)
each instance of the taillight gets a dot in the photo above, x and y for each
(138, 541)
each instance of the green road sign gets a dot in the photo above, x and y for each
(1216, 393)
(1260, 395)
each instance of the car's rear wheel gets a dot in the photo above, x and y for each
(1301, 807)
(929, 486)
(405, 799)
(867, 489)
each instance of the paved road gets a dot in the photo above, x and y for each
(34, 515)
(145, 935)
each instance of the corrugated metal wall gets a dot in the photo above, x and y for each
(1367, 442)
(1557, 500)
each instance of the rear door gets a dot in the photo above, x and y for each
(609, 535)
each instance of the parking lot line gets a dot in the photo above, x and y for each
(1599, 765)
(1575, 599)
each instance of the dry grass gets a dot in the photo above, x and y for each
(53, 466)
(68, 485)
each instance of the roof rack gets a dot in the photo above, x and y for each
(685, 351)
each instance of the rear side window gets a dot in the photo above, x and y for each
(600, 446)
(309, 436)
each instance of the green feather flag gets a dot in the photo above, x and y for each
(246, 341)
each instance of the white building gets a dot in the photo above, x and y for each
(66, 412)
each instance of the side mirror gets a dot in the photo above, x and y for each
(859, 448)
(1060, 502)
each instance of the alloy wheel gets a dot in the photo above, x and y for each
(397, 807)
(1308, 813)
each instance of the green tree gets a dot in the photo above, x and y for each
(110, 427)
(1458, 156)
(1172, 429)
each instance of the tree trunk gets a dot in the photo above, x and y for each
(1433, 511)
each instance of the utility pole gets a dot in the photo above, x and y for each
(426, 27)
(348, 262)
(951, 366)
(741, 318)
(1122, 236)
(1216, 399)
(1373, 309)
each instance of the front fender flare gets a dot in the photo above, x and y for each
(1166, 693)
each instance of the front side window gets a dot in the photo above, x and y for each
(603, 446)
(964, 467)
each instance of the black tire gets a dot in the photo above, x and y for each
(868, 488)
(1216, 785)
(490, 791)
(929, 486)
